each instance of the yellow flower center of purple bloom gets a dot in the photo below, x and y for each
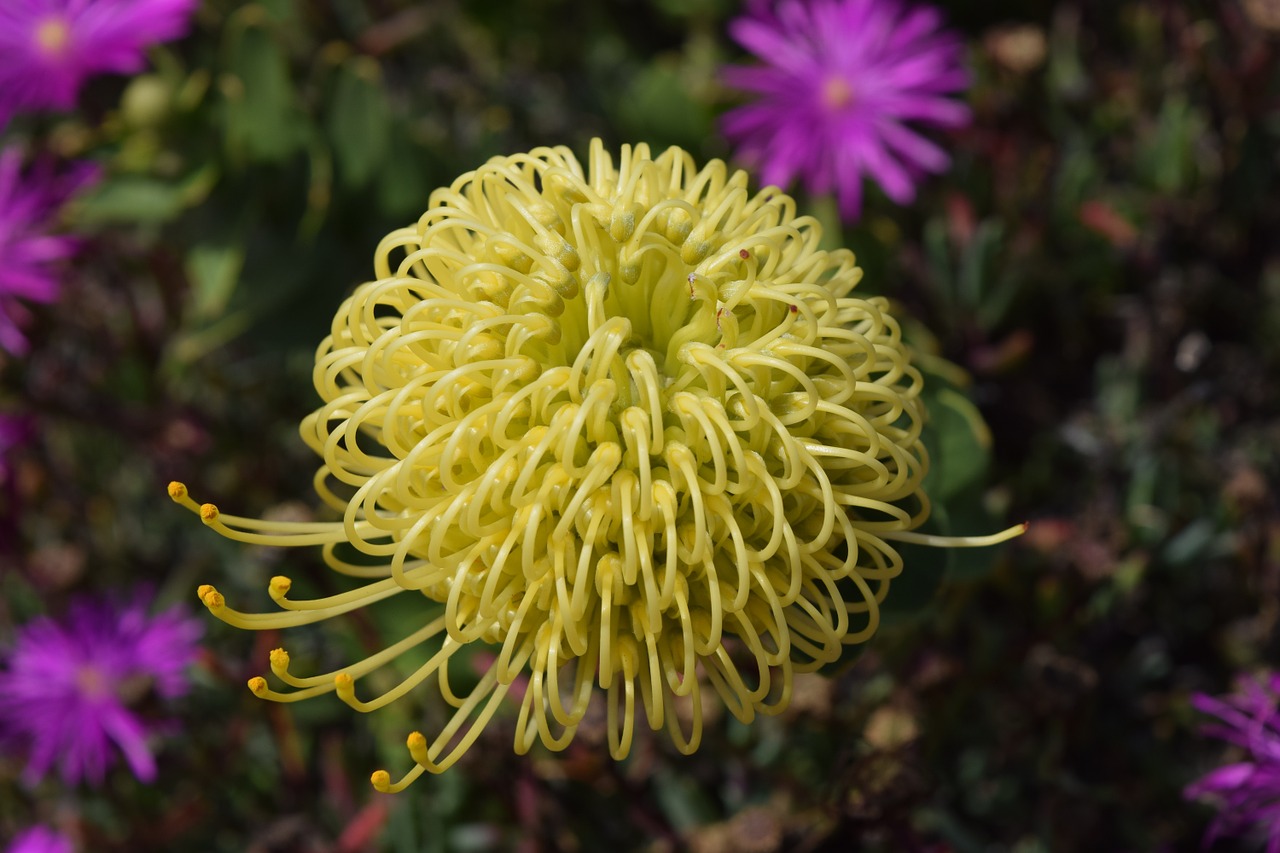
(837, 94)
(91, 682)
(52, 37)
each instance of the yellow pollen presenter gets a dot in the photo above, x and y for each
(625, 424)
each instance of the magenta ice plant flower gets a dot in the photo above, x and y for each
(40, 839)
(843, 88)
(30, 254)
(48, 48)
(1246, 792)
(70, 688)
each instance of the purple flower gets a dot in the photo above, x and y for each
(48, 48)
(29, 255)
(70, 685)
(40, 839)
(1247, 792)
(841, 81)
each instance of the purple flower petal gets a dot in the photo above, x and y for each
(129, 734)
(40, 839)
(29, 254)
(838, 81)
(1246, 793)
(48, 48)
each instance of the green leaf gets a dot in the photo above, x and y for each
(262, 118)
(938, 253)
(1169, 154)
(359, 122)
(403, 190)
(682, 801)
(977, 262)
(133, 199)
(1198, 541)
(958, 444)
(1078, 177)
(657, 108)
(213, 270)
(693, 8)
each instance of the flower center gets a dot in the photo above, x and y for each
(92, 683)
(52, 37)
(837, 94)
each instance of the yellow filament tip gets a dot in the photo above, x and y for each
(177, 491)
(212, 598)
(279, 661)
(417, 743)
(258, 685)
(280, 586)
(381, 780)
(208, 513)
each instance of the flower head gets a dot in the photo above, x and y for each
(48, 48)
(628, 425)
(40, 839)
(68, 686)
(1247, 792)
(841, 82)
(29, 254)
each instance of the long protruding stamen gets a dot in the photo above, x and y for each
(259, 531)
(217, 605)
(344, 682)
(258, 687)
(210, 515)
(279, 587)
(381, 780)
(912, 537)
(280, 659)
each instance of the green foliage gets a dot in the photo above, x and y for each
(131, 199)
(262, 119)
(359, 122)
(656, 107)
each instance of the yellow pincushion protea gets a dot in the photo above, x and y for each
(626, 423)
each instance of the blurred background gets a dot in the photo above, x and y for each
(1101, 261)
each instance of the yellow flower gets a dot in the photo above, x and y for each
(626, 423)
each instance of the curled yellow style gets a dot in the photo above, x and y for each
(627, 424)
